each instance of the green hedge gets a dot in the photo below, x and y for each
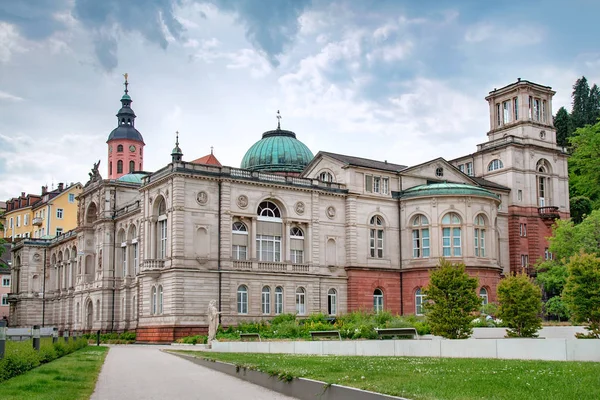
(112, 338)
(196, 339)
(355, 325)
(20, 357)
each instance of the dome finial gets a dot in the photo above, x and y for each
(126, 75)
(176, 138)
(176, 154)
(211, 150)
(278, 120)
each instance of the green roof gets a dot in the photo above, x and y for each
(277, 151)
(132, 178)
(447, 189)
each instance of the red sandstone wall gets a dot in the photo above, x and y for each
(362, 283)
(168, 334)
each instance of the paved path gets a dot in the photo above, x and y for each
(144, 372)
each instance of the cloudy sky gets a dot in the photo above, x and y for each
(402, 81)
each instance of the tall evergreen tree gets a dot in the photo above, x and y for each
(562, 123)
(593, 108)
(581, 103)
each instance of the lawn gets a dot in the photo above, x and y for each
(434, 378)
(70, 377)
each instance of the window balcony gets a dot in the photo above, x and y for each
(12, 297)
(550, 212)
(244, 265)
(37, 221)
(152, 265)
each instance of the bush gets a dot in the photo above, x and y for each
(555, 307)
(196, 339)
(451, 300)
(582, 291)
(520, 305)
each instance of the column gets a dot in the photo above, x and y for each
(252, 243)
(287, 242)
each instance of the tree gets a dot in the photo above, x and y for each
(581, 206)
(520, 305)
(593, 109)
(562, 123)
(557, 308)
(582, 291)
(584, 168)
(451, 298)
(581, 103)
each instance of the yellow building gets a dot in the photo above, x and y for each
(18, 216)
(56, 212)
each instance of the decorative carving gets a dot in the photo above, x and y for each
(213, 320)
(330, 212)
(37, 257)
(242, 201)
(94, 174)
(202, 198)
(88, 242)
(434, 202)
(452, 206)
(299, 207)
(469, 201)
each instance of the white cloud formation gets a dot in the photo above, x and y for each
(10, 42)
(9, 97)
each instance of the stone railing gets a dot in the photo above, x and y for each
(242, 264)
(271, 266)
(300, 268)
(549, 212)
(37, 221)
(152, 265)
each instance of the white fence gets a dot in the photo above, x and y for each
(26, 333)
(520, 349)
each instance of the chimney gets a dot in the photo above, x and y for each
(44, 190)
(61, 186)
(22, 194)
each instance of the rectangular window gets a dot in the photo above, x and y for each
(519, 195)
(385, 185)
(368, 183)
(376, 243)
(135, 258)
(59, 213)
(162, 230)
(461, 168)
(524, 260)
(536, 109)
(523, 230)
(124, 256)
(18, 221)
(446, 249)
(548, 255)
(268, 248)
(498, 115)
(479, 242)
(420, 243)
(266, 302)
(278, 301)
(26, 220)
(506, 112)
(4, 299)
(456, 242)
(239, 252)
(376, 184)
(59, 231)
(300, 303)
(242, 302)
(544, 110)
(516, 108)
(71, 197)
(11, 223)
(6, 281)
(297, 256)
(332, 303)
(530, 108)
(470, 168)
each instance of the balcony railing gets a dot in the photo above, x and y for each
(37, 221)
(244, 265)
(549, 212)
(152, 265)
(271, 266)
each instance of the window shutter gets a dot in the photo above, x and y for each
(240, 240)
(297, 244)
(369, 183)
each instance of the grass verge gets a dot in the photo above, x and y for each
(433, 378)
(73, 376)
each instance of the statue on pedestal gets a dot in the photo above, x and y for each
(213, 320)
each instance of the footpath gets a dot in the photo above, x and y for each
(144, 372)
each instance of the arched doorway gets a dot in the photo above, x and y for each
(89, 315)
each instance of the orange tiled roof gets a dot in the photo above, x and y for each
(209, 160)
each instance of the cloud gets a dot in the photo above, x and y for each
(9, 97)
(10, 42)
(504, 36)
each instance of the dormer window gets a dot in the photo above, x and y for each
(326, 177)
(377, 184)
(494, 165)
(439, 172)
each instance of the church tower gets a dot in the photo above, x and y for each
(125, 143)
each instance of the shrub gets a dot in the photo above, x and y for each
(128, 336)
(582, 291)
(555, 307)
(47, 353)
(451, 300)
(520, 305)
(196, 339)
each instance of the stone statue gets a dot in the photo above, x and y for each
(95, 174)
(213, 320)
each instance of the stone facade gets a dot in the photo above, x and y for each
(348, 234)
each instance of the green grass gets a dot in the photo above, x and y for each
(434, 378)
(73, 376)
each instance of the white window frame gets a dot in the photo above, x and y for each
(59, 231)
(238, 251)
(461, 168)
(242, 299)
(483, 293)
(6, 281)
(385, 185)
(265, 297)
(376, 237)
(469, 168)
(421, 238)
(452, 235)
(506, 112)
(160, 300)
(60, 213)
(301, 301)
(265, 252)
(332, 301)
(71, 197)
(26, 219)
(278, 300)
(376, 184)
(495, 165)
(18, 221)
(153, 301)
(378, 301)
(419, 300)
(516, 108)
(479, 236)
(4, 300)
(162, 237)
(523, 230)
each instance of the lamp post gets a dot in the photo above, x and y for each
(36, 337)
(54, 335)
(3, 329)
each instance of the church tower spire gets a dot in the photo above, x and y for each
(125, 142)
(176, 154)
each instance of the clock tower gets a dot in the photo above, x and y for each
(125, 143)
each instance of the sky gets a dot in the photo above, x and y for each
(402, 81)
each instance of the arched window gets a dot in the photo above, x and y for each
(120, 167)
(122, 241)
(268, 235)
(378, 300)
(420, 236)
(451, 235)
(300, 301)
(266, 300)
(296, 245)
(92, 213)
(110, 168)
(376, 236)
(326, 177)
(239, 247)
(120, 147)
(161, 226)
(483, 293)
(479, 236)
(332, 302)
(278, 300)
(268, 209)
(495, 164)
(543, 182)
(160, 299)
(131, 166)
(419, 297)
(242, 299)
(153, 301)
(77, 313)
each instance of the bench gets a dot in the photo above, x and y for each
(244, 337)
(412, 332)
(325, 334)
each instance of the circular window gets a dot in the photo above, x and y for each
(439, 172)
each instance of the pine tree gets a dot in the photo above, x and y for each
(581, 103)
(593, 108)
(562, 123)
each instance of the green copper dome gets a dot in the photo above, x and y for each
(447, 189)
(277, 151)
(132, 178)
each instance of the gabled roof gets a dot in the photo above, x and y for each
(363, 162)
(208, 160)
